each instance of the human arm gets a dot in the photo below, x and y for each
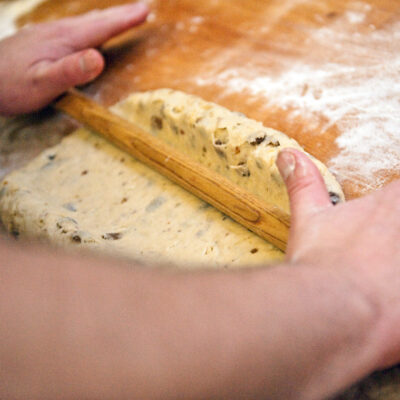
(76, 328)
(302, 330)
(82, 327)
(42, 61)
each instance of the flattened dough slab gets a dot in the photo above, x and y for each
(84, 192)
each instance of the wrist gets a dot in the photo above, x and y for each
(373, 310)
(378, 293)
(346, 315)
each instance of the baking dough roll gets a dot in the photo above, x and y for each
(241, 149)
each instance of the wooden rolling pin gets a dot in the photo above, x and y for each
(266, 220)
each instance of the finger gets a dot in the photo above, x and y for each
(96, 27)
(306, 187)
(72, 70)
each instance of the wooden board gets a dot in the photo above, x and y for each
(326, 73)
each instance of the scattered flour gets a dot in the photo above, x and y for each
(358, 93)
(151, 17)
(355, 17)
(180, 26)
(360, 96)
(9, 13)
(197, 19)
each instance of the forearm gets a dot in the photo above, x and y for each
(77, 329)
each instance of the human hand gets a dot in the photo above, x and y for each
(360, 237)
(41, 62)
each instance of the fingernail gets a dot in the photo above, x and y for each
(302, 169)
(89, 62)
(139, 8)
(287, 164)
(142, 6)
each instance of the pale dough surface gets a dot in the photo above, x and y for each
(86, 193)
(237, 147)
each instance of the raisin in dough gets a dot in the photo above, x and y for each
(86, 193)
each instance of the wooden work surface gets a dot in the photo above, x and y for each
(327, 73)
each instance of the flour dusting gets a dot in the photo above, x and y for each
(362, 101)
(355, 17)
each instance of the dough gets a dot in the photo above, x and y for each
(241, 149)
(86, 193)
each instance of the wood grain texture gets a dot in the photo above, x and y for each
(229, 51)
(268, 39)
(264, 219)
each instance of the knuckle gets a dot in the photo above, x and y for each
(300, 185)
(68, 72)
(39, 74)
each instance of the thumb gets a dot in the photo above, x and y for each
(54, 78)
(306, 187)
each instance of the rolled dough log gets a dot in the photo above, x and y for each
(241, 149)
(85, 193)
